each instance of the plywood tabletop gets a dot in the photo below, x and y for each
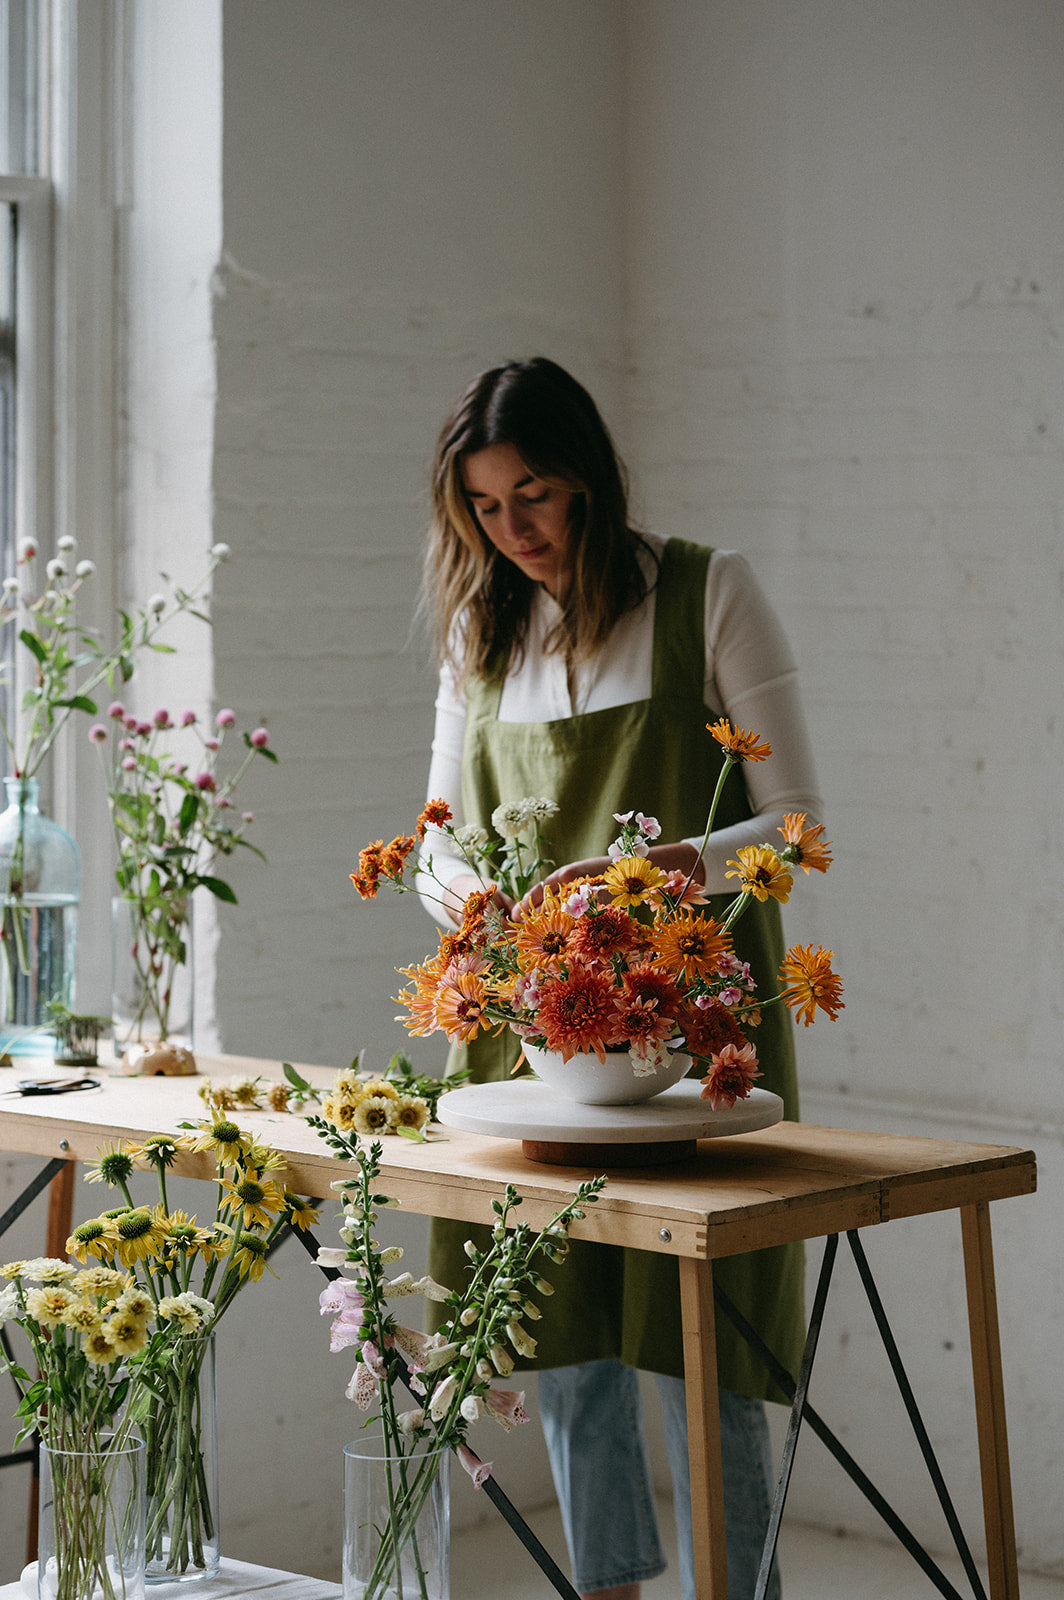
(791, 1181)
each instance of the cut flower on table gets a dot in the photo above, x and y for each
(628, 960)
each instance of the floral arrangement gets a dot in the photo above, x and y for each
(57, 672)
(449, 1373)
(172, 820)
(626, 960)
(84, 1329)
(399, 1100)
(186, 1275)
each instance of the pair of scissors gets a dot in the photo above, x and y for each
(52, 1085)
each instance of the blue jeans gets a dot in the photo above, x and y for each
(593, 1424)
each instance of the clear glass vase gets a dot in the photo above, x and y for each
(180, 1426)
(151, 988)
(40, 886)
(90, 1522)
(396, 1522)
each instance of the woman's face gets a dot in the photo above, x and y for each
(526, 519)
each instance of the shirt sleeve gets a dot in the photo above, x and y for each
(445, 783)
(752, 679)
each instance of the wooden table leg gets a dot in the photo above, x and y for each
(989, 1401)
(703, 1428)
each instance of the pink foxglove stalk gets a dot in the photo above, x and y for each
(450, 1372)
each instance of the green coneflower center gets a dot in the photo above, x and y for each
(89, 1232)
(226, 1132)
(133, 1224)
(253, 1243)
(250, 1192)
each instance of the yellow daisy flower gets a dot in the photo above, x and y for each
(92, 1238)
(380, 1086)
(300, 1213)
(138, 1236)
(249, 1253)
(411, 1112)
(126, 1332)
(221, 1137)
(631, 880)
(340, 1111)
(761, 873)
(98, 1347)
(253, 1200)
(372, 1115)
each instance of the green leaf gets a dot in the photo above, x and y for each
(33, 644)
(412, 1133)
(219, 888)
(79, 702)
(293, 1076)
(187, 814)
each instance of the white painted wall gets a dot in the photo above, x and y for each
(809, 258)
(844, 317)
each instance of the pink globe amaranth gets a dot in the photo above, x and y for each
(260, 738)
(98, 733)
(225, 719)
(161, 718)
(117, 710)
(205, 781)
(187, 718)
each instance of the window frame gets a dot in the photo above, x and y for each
(31, 198)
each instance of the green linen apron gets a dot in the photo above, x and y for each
(654, 756)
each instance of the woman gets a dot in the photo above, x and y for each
(581, 661)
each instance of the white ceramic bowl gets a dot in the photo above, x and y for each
(591, 1082)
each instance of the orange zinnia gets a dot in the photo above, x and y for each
(543, 937)
(738, 745)
(689, 943)
(761, 873)
(808, 847)
(812, 982)
(576, 1012)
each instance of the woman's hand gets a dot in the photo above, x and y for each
(680, 857)
(461, 887)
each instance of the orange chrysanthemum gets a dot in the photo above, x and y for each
(632, 880)
(420, 1000)
(811, 982)
(576, 1011)
(690, 944)
(543, 937)
(603, 933)
(807, 847)
(738, 745)
(637, 1019)
(460, 1001)
(648, 983)
(730, 1076)
(474, 906)
(761, 873)
(707, 1029)
(393, 856)
(369, 870)
(436, 813)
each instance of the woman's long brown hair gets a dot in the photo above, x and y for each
(478, 599)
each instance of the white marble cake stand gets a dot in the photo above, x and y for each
(564, 1133)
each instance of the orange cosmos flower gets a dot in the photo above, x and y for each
(436, 812)
(689, 944)
(812, 982)
(761, 873)
(708, 1029)
(576, 1012)
(730, 1076)
(809, 849)
(631, 880)
(738, 745)
(460, 1000)
(543, 937)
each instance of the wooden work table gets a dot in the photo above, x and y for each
(792, 1181)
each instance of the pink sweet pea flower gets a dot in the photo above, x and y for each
(649, 827)
(478, 1470)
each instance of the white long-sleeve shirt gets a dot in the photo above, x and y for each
(750, 678)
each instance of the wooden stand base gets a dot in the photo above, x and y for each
(558, 1153)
